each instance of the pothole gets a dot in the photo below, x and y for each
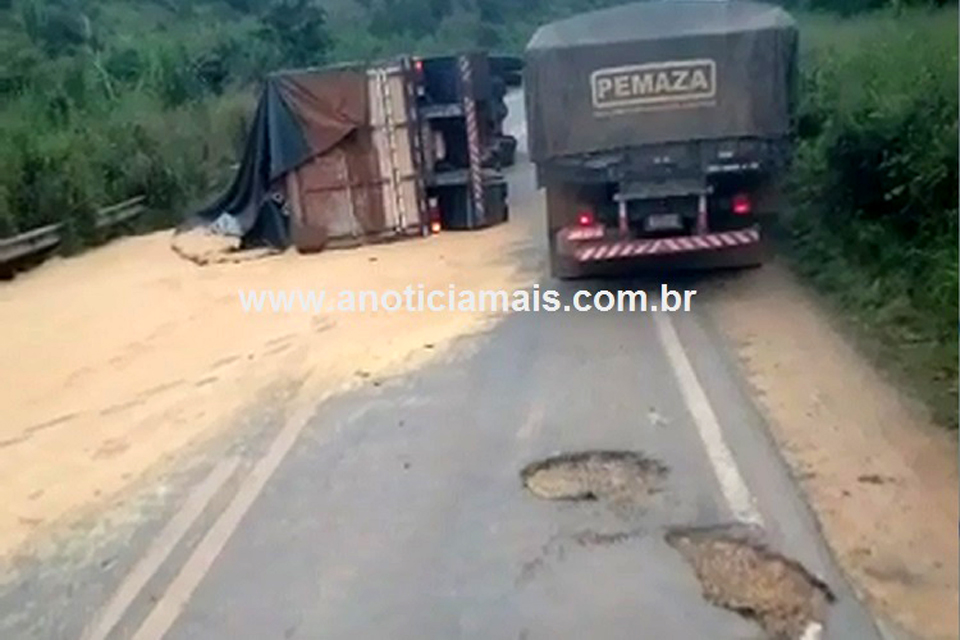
(614, 476)
(778, 593)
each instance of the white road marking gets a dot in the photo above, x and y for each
(171, 604)
(160, 550)
(732, 485)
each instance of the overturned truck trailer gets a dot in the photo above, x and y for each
(659, 131)
(330, 158)
(344, 155)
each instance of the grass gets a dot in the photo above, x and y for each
(51, 174)
(874, 217)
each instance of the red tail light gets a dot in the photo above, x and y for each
(435, 217)
(418, 65)
(585, 218)
(742, 205)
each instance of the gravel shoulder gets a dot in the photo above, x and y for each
(879, 474)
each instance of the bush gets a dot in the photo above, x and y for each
(64, 174)
(875, 183)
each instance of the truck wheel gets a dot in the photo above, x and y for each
(562, 268)
(562, 201)
(509, 151)
(750, 257)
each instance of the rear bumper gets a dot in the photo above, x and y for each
(591, 246)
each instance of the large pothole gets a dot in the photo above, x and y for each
(786, 600)
(623, 477)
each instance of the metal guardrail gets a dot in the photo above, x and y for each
(45, 238)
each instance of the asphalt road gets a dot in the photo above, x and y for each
(398, 511)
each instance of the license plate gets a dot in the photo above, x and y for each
(663, 221)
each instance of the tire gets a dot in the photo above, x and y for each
(562, 202)
(513, 78)
(750, 257)
(562, 268)
(509, 151)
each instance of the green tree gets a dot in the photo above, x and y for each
(298, 30)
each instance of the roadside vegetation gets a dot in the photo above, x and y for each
(874, 187)
(101, 100)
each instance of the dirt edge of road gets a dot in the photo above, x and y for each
(880, 476)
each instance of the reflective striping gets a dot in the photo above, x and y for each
(473, 136)
(589, 251)
(585, 233)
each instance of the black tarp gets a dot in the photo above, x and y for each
(300, 114)
(660, 72)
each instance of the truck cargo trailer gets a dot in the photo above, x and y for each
(660, 131)
(357, 153)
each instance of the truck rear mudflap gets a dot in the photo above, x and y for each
(586, 250)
